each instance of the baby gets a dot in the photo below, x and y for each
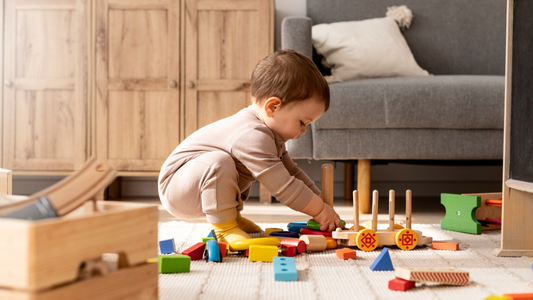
(210, 173)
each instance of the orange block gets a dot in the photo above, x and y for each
(223, 248)
(346, 253)
(445, 246)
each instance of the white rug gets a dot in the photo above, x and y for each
(321, 275)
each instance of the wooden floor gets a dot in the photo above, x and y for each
(425, 211)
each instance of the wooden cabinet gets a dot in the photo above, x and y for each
(137, 92)
(45, 85)
(122, 80)
(224, 40)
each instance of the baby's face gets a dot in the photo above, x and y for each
(292, 119)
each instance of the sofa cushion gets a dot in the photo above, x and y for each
(438, 102)
(445, 37)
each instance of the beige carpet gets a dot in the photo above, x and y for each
(321, 275)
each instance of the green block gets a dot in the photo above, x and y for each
(460, 213)
(205, 239)
(174, 263)
(314, 225)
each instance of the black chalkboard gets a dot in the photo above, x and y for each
(521, 134)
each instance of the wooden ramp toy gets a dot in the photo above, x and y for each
(444, 276)
(63, 197)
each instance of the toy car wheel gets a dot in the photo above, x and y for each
(406, 239)
(367, 240)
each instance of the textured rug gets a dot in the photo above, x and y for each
(321, 275)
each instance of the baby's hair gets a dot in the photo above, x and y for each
(290, 76)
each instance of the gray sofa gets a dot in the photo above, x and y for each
(454, 115)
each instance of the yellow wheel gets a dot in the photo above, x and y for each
(367, 240)
(360, 228)
(406, 239)
(396, 226)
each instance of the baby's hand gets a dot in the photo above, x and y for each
(329, 220)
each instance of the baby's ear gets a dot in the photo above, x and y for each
(272, 105)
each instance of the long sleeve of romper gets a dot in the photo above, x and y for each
(256, 150)
(295, 171)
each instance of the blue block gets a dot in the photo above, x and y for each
(285, 269)
(213, 235)
(296, 226)
(167, 246)
(383, 262)
(287, 234)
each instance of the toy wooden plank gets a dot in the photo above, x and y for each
(136, 283)
(327, 184)
(460, 213)
(71, 192)
(445, 276)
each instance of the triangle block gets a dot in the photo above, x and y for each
(383, 262)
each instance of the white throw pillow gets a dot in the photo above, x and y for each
(367, 49)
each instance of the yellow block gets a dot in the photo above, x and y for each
(245, 244)
(262, 253)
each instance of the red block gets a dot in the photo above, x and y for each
(399, 284)
(289, 250)
(196, 252)
(300, 245)
(223, 248)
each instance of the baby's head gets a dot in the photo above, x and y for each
(289, 75)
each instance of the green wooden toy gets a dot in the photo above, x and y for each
(314, 225)
(174, 263)
(460, 213)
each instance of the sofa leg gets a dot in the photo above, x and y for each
(348, 180)
(363, 185)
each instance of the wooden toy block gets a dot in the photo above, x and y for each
(444, 276)
(383, 262)
(445, 246)
(285, 234)
(314, 225)
(167, 246)
(174, 263)
(494, 297)
(56, 258)
(346, 253)
(289, 250)
(262, 253)
(331, 243)
(205, 239)
(315, 242)
(285, 269)
(223, 248)
(326, 186)
(300, 245)
(212, 234)
(296, 226)
(213, 251)
(527, 296)
(268, 231)
(460, 213)
(399, 284)
(307, 231)
(195, 252)
(242, 245)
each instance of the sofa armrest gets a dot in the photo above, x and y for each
(296, 35)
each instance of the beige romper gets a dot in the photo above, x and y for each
(211, 171)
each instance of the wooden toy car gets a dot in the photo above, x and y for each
(368, 239)
(212, 253)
